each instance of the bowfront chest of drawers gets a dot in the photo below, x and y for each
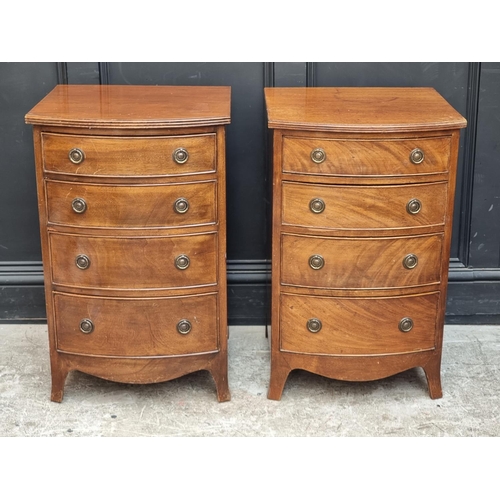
(131, 193)
(363, 193)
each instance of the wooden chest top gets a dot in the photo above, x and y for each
(137, 106)
(360, 109)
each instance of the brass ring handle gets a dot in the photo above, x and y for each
(184, 326)
(180, 155)
(82, 261)
(316, 262)
(405, 325)
(414, 206)
(317, 205)
(417, 156)
(410, 261)
(318, 155)
(181, 205)
(76, 156)
(182, 262)
(79, 205)
(86, 326)
(314, 325)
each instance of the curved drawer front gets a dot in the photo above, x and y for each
(128, 156)
(366, 157)
(94, 205)
(356, 263)
(358, 326)
(136, 327)
(133, 263)
(364, 207)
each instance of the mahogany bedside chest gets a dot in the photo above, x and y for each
(131, 195)
(363, 192)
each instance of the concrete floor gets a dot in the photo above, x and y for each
(311, 405)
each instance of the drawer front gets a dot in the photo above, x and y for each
(93, 205)
(136, 327)
(364, 207)
(135, 262)
(360, 263)
(358, 326)
(365, 157)
(128, 156)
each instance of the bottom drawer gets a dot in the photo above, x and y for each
(136, 327)
(357, 326)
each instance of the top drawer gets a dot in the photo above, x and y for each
(99, 156)
(361, 157)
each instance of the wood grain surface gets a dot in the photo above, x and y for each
(360, 109)
(360, 263)
(136, 327)
(128, 156)
(364, 207)
(358, 326)
(131, 206)
(133, 106)
(365, 157)
(134, 262)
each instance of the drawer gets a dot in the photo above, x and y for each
(360, 157)
(94, 205)
(128, 156)
(360, 263)
(364, 207)
(338, 326)
(133, 262)
(136, 327)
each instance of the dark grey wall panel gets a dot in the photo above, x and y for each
(83, 73)
(485, 226)
(290, 74)
(22, 85)
(476, 302)
(449, 79)
(22, 304)
(245, 152)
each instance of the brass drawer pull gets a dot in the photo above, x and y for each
(414, 206)
(180, 156)
(86, 326)
(405, 325)
(318, 155)
(76, 156)
(314, 325)
(182, 262)
(317, 205)
(417, 156)
(181, 205)
(79, 205)
(316, 262)
(410, 261)
(82, 262)
(184, 326)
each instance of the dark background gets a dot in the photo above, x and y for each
(472, 88)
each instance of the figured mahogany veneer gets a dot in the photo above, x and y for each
(342, 209)
(365, 157)
(360, 263)
(358, 325)
(134, 262)
(141, 327)
(363, 193)
(131, 192)
(128, 156)
(125, 206)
